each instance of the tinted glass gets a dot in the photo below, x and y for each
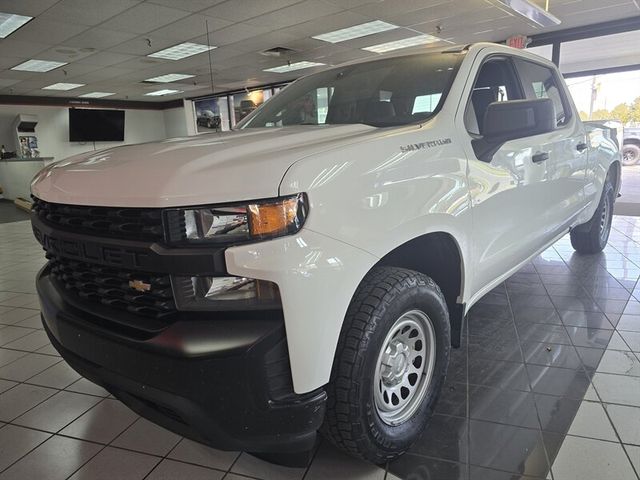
(541, 82)
(394, 91)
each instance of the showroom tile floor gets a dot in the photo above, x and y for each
(546, 386)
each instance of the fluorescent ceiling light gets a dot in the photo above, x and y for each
(63, 86)
(356, 31)
(38, 66)
(533, 12)
(293, 66)
(9, 23)
(183, 50)
(158, 93)
(404, 43)
(96, 95)
(170, 77)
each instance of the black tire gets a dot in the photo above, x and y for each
(630, 154)
(352, 420)
(592, 236)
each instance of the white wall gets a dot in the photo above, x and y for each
(175, 122)
(53, 129)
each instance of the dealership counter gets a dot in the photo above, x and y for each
(16, 174)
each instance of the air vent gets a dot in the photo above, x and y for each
(277, 52)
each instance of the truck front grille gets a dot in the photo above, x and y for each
(124, 223)
(115, 288)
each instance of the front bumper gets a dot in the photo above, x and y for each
(225, 383)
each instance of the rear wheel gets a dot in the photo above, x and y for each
(592, 237)
(390, 364)
(630, 154)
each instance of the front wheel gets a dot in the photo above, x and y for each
(630, 154)
(592, 237)
(390, 364)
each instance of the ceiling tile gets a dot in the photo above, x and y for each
(187, 5)
(16, 48)
(87, 12)
(191, 26)
(99, 38)
(31, 8)
(105, 59)
(298, 13)
(144, 45)
(240, 10)
(233, 33)
(52, 32)
(144, 18)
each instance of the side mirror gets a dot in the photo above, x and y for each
(504, 121)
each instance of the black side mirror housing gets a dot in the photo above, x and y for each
(504, 121)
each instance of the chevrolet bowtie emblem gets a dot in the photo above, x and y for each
(140, 286)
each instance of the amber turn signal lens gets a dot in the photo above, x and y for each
(270, 219)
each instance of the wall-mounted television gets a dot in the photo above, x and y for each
(92, 125)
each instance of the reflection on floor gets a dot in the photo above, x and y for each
(548, 383)
(10, 213)
(547, 386)
(629, 201)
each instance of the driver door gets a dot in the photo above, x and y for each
(508, 190)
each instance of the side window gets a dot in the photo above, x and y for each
(496, 82)
(541, 82)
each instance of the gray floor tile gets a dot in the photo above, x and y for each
(49, 350)
(10, 333)
(19, 399)
(622, 363)
(61, 375)
(632, 339)
(618, 389)
(16, 315)
(634, 454)
(9, 356)
(55, 459)
(103, 423)
(627, 422)
(85, 386)
(57, 411)
(32, 322)
(588, 459)
(6, 385)
(31, 342)
(172, 470)
(112, 463)
(254, 467)
(629, 323)
(144, 436)
(591, 421)
(27, 366)
(193, 452)
(15, 442)
(331, 463)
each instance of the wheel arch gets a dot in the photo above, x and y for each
(631, 141)
(615, 170)
(439, 256)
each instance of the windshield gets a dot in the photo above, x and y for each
(381, 93)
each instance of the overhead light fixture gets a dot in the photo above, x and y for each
(64, 86)
(9, 23)
(170, 77)
(356, 31)
(404, 43)
(96, 95)
(38, 66)
(166, 91)
(293, 66)
(183, 50)
(533, 12)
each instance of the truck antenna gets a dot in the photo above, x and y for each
(209, 51)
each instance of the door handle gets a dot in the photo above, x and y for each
(581, 147)
(540, 157)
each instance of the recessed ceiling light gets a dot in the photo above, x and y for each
(293, 66)
(96, 95)
(9, 23)
(63, 86)
(170, 77)
(356, 31)
(533, 12)
(183, 50)
(166, 91)
(404, 43)
(38, 66)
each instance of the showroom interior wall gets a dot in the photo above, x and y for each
(53, 128)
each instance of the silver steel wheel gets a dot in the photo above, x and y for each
(404, 368)
(605, 219)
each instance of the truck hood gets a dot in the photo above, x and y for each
(213, 168)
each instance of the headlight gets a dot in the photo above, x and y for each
(238, 223)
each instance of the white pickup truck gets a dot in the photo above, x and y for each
(312, 269)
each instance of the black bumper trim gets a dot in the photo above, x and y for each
(203, 380)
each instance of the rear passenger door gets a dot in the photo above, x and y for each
(566, 147)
